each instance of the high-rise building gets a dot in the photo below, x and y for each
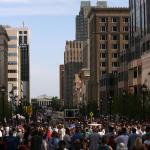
(72, 64)
(24, 45)
(3, 56)
(139, 43)
(82, 21)
(18, 62)
(61, 83)
(108, 31)
(3, 72)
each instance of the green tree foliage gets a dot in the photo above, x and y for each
(56, 105)
(131, 104)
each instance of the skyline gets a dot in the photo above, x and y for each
(54, 28)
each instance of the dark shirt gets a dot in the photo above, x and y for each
(11, 143)
(36, 142)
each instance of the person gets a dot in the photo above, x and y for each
(104, 145)
(62, 132)
(76, 139)
(44, 143)
(111, 137)
(123, 138)
(2, 144)
(67, 139)
(11, 141)
(36, 141)
(138, 145)
(24, 146)
(94, 140)
(62, 145)
(53, 142)
(132, 138)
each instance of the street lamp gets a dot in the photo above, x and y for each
(3, 90)
(101, 107)
(124, 95)
(144, 90)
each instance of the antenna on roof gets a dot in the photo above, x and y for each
(23, 24)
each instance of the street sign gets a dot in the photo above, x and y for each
(91, 114)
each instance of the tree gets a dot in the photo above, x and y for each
(56, 105)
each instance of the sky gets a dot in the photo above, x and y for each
(51, 23)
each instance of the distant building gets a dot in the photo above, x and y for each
(72, 63)
(3, 72)
(3, 57)
(82, 21)
(139, 44)
(108, 29)
(19, 62)
(42, 101)
(61, 83)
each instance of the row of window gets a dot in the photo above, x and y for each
(12, 54)
(12, 46)
(114, 29)
(114, 37)
(114, 55)
(12, 37)
(12, 63)
(114, 64)
(12, 71)
(12, 79)
(114, 46)
(114, 19)
(23, 32)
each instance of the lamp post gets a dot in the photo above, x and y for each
(110, 106)
(3, 102)
(101, 107)
(144, 90)
(124, 95)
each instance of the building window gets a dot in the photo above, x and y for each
(20, 32)
(115, 46)
(125, 37)
(126, 19)
(13, 37)
(135, 73)
(25, 39)
(115, 64)
(103, 64)
(114, 19)
(102, 46)
(114, 28)
(102, 55)
(125, 28)
(125, 46)
(12, 46)
(12, 79)
(103, 37)
(103, 29)
(12, 54)
(12, 63)
(102, 19)
(25, 32)
(115, 37)
(20, 39)
(12, 71)
(114, 55)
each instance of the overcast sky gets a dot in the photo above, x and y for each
(51, 22)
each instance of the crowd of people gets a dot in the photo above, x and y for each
(76, 135)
